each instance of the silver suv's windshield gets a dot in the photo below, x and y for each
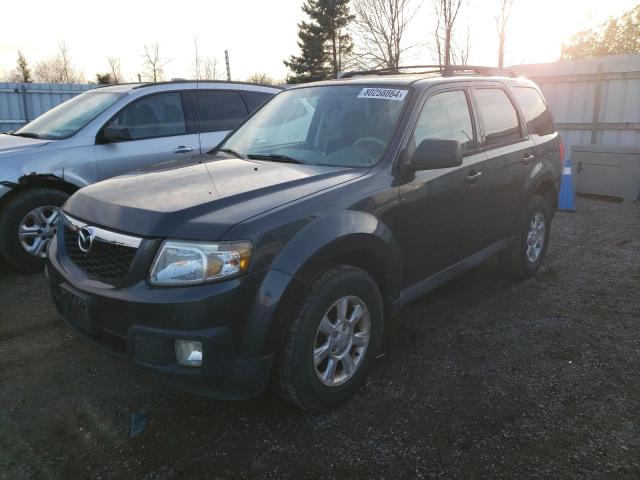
(70, 116)
(345, 125)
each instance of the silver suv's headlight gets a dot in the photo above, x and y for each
(189, 263)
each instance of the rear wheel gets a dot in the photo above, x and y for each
(330, 339)
(524, 257)
(27, 225)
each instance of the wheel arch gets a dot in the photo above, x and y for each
(351, 238)
(37, 180)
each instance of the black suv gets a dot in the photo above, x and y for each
(279, 259)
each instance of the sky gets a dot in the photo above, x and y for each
(260, 34)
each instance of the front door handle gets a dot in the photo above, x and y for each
(527, 158)
(472, 177)
(182, 149)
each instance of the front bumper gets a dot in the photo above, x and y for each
(141, 324)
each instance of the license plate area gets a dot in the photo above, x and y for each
(77, 308)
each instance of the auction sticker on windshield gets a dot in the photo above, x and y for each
(384, 93)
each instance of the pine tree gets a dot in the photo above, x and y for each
(24, 73)
(323, 41)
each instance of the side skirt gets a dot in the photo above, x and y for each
(434, 281)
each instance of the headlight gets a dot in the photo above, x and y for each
(189, 263)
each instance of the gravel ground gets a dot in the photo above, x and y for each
(484, 378)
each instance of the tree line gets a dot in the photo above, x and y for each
(344, 35)
(341, 35)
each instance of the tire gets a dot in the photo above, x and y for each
(296, 376)
(12, 216)
(517, 259)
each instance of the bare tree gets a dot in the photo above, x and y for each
(446, 12)
(204, 68)
(153, 63)
(58, 69)
(501, 26)
(380, 26)
(460, 53)
(262, 78)
(114, 69)
(22, 72)
(209, 69)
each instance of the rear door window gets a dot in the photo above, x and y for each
(501, 125)
(219, 111)
(446, 116)
(536, 113)
(159, 115)
(254, 100)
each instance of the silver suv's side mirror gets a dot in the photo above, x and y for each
(434, 153)
(114, 134)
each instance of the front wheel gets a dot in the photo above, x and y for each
(524, 257)
(330, 339)
(27, 224)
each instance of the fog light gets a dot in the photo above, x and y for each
(189, 353)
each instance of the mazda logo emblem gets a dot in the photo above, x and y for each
(85, 239)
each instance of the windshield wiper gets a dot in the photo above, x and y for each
(26, 135)
(230, 151)
(273, 157)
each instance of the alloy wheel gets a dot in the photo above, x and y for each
(37, 228)
(341, 341)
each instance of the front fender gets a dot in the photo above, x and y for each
(319, 242)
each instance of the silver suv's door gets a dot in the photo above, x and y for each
(218, 112)
(159, 137)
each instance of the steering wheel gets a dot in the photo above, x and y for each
(375, 140)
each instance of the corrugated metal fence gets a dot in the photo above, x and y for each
(593, 101)
(22, 102)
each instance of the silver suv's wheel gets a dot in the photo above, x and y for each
(37, 228)
(27, 225)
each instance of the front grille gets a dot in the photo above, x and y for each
(106, 262)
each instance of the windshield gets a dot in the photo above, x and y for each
(70, 116)
(344, 125)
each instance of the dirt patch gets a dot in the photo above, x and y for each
(484, 378)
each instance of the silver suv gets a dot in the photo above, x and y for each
(102, 133)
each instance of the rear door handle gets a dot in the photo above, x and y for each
(472, 177)
(182, 149)
(527, 158)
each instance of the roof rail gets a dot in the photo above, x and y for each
(445, 70)
(181, 80)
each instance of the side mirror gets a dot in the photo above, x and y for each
(114, 134)
(434, 153)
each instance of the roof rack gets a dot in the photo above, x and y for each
(444, 70)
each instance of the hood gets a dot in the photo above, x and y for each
(12, 143)
(201, 201)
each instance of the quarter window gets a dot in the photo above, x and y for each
(499, 117)
(446, 117)
(219, 111)
(255, 99)
(536, 113)
(154, 116)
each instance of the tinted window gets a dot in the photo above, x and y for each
(499, 117)
(153, 116)
(446, 117)
(255, 99)
(219, 111)
(535, 111)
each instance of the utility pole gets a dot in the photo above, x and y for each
(226, 58)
